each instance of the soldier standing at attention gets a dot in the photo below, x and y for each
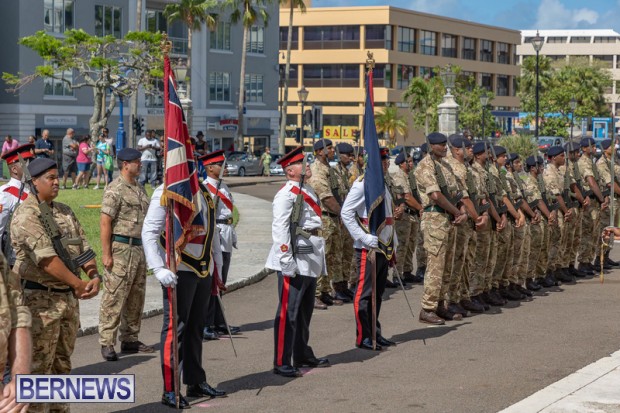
(123, 209)
(321, 182)
(357, 167)
(213, 163)
(51, 288)
(341, 286)
(604, 167)
(420, 251)
(415, 227)
(298, 263)
(572, 150)
(440, 217)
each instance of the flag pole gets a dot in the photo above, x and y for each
(171, 258)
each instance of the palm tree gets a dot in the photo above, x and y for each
(423, 96)
(248, 12)
(389, 121)
(302, 7)
(193, 13)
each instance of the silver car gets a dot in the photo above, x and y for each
(243, 164)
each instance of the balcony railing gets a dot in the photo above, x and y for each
(179, 45)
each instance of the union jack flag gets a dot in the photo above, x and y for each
(180, 179)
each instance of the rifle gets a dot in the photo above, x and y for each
(333, 181)
(579, 180)
(298, 207)
(471, 187)
(566, 193)
(60, 242)
(413, 184)
(441, 179)
(597, 178)
(543, 191)
(493, 189)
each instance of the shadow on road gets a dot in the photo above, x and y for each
(258, 326)
(124, 364)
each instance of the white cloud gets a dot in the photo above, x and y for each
(552, 14)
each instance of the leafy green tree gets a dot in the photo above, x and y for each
(100, 63)
(423, 96)
(293, 4)
(524, 145)
(467, 94)
(390, 122)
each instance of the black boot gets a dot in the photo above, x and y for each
(586, 268)
(532, 285)
(575, 272)
(611, 262)
(597, 264)
(523, 291)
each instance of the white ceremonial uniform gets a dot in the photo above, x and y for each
(281, 254)
(9, 200)
(228, 236)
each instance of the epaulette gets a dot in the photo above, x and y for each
(360, 178)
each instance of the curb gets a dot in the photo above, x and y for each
(267, 181)
(153, 312)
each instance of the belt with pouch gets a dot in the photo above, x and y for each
(32, 285)
(435, 208)
(227, 221)
(127, 240)
(329, 214)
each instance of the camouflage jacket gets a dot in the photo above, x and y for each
(428, 181)
(126, 204)
(320, 182)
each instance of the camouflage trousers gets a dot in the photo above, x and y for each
(604, 221)
(412, 244)
(420, 254)
(543, 257)
(573, 233)
(465, 286)
(517, 268)
(333, 255)
(488, 271)
(535, 244)
(348, 255)
(589, 221)
(555, 243)
(403, 232)
(122, 301)
(504, 253)
(478, 260)
(55, 323)
(439, 236)
(457, 277)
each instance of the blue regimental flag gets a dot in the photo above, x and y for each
(374, 182)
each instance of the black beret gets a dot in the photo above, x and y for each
(322, 143)
(479, 147)
(400, 158)
(499, 150)
(458, 141)
(344, 147)
(424, 148)
(606, 143)
(513, 157)
(587, 142)
(436, 138)
(540, 160)
(359, 150)
(554, 151)
(530, 161)
(40, 165)
(571, 147)
(128, 154)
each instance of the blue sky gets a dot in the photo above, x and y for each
(513, 14)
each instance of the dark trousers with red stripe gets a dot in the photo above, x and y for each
(215, 316)
(362, 302)
(292, 323)
(193, 295)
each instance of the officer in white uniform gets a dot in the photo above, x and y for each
(213, 163)
(298, 272)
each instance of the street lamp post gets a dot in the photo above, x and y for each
(186, 102)
(484, 101)
(120, 132)
(537, 43)
(303, 98)
(573, 105)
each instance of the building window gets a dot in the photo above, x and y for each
(404, 75)
(284, 38)
(219, 87)
(469, 48)
(108, 21)
(292, 77)
(177, 30)
(513, 92)
(382, 75)
(253, 88)
(220, 37)
(428, 43)
(448, 45)
(331, 75)
(503, 54)
(606, 61)
(58, 87)
(486, 81)
(468, 79)
(332, 37)
(406, 39)
(556, 39)
(255, 42)
(502, 85)
(527, 39)
(57, 15)
(580, 39)
(605, 39)
(156, 21)
(486, 51)
(426, 72)
(379, 37)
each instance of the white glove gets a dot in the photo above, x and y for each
(292, 275)
(165, 276)
(370, 241)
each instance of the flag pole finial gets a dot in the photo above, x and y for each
(370, 62)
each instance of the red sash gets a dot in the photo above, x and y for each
(311, 203)
(13, 190)
(218, 193)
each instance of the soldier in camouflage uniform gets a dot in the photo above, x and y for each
(436, 180)
(123, 209)
(604, 168)
(51, 289)
(15, 342)
(357, 166)
(420, 252)
(415, 232)
(325, 184)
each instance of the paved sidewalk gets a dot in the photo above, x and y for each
(247, 266)
(593, 389)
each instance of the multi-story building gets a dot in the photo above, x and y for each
(216, 67)
(329, 51)
(602, 46)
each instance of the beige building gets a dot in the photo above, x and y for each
(329, 50)
(600, 45)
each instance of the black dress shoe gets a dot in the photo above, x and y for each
(132, 347)
(611, 262)
(168, 399)
(318, 304)
(108, 353)
(390, 284)
(420, 273)
(203, 389)
(472, 305)
(209, 334)
(342, 296)
(384, 342)
(312, 362)
(408, 277)
(326, 299)
(367, 345)
(287, 371)
(222, 331)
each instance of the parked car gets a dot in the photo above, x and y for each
(545, 142)
(243, 164)
(274, 167)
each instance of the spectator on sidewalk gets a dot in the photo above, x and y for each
(112, 145)
(149, 146)
(265, 160)
(44, 148)
(69, 156)
(8, 145)
(102, 152)
(84, 159)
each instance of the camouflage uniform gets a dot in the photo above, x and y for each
(400, 188)
(569, 230)
(320, 183)
(554, 182)
(344, 178)
(414, 232)
(573, 245)
(55, 315)
(503, 239)
(604, 166)
(591, 215)
(478, 258)
(125, 285)
(511, 272)
(536, 231)
(439, 233)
